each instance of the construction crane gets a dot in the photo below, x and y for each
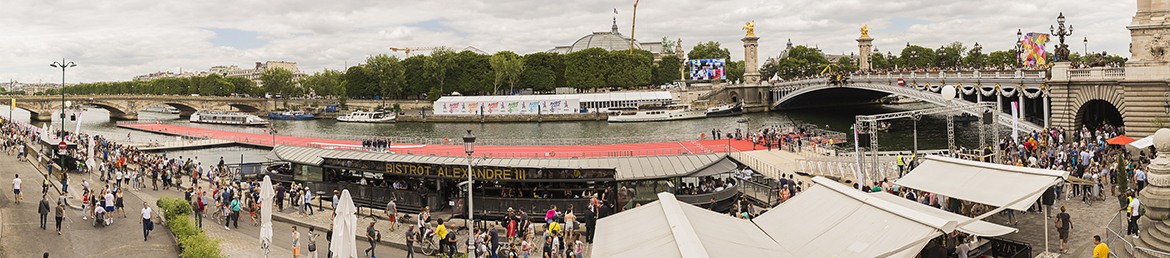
(408, 49)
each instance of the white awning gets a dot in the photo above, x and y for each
(986, 183)
(978, 228)
(833, 220)
(670, 228)
(1143, 143)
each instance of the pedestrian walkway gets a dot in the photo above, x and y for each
(1088, 220)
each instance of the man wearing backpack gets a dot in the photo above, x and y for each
(198, 206)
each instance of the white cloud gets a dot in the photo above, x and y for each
(115, 40)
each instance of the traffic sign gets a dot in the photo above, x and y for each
(61, 145)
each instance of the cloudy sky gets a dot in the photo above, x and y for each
(116, 40)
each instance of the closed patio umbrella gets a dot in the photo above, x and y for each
(345, 228)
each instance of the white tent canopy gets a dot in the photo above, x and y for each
(978, 227)
(670, 228)
(1143, 143)
(986, 183)
(834, 220)
(345, 228)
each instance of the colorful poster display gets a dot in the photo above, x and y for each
(1033, 54)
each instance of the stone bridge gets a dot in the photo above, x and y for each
(1028, 87)
(126, 107)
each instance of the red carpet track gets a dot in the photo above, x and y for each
(456, 149)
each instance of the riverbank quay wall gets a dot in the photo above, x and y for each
(408, 117)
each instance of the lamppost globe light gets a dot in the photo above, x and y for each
(1060, 18)
(469, 143)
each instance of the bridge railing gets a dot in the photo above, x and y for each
(989, 74)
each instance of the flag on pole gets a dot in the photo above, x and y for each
(615, 11)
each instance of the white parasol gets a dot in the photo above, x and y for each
(266, 194)
(345, 228)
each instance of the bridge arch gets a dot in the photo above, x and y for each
(1098, 112)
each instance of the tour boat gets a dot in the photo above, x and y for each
(368, 117)
(657, 113)
(227, 118)
(290, 115)
(725, 110)
(883, 126)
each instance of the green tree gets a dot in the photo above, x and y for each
(624, 70)
(801, 61)
(919, 57)
(470, 73)
(417, 82)
(243, 85)
(540, 71)
(878, 61)
(437, 65)
(668, 69)
(975, 58)
(846, 64)
(709, 50)
(585, 69)
(507, 66)
(387, 73)
(357, 81)
(277, 80)
(951, 55)
(1003, 58)
(768, 70)
(735, 71)
(324, 83)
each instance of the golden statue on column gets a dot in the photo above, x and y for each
(864, 31)
(751, 28)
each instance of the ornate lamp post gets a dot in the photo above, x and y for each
(1086, 46)
(978, 55)
(469, 147)
(63, 64)
(1060, 31)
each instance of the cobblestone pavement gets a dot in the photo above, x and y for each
(20, 235)
(1088, 220)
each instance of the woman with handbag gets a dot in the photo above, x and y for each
(312, 243)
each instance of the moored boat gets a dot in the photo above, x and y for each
(367, 117)
(651, 113)
(725, 110)
(290, 115)
(227, 118)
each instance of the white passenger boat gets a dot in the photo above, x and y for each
(367, 117)
(656, 113)
(227, 118)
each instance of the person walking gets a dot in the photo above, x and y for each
(16, 189)
(1134, 212)
(198, 206)
(392, 214)
(60, 212)
(43, 209)
(235, 206)
(410, 239)
(147, 225)
(312, 243)
(372, 235)
(308, 197)
(296, 243)
(1063, 225)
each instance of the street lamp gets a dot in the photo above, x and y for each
(1059, 31)
(469, 147)
(63, 64)
(1086, 46)
(979, 55)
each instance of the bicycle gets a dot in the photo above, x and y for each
(428, 245)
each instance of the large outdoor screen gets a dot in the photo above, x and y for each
(706, 69)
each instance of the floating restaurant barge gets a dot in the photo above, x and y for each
(533, 184)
